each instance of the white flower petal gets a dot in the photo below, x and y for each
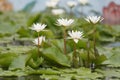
(38, 27)
(41, 39)
(75, 35)
(76, 40)
(83, 2)
(71, 3)
(65, 22)
(94, 19)
(58, 11)
(52, 3)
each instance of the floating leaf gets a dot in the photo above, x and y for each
(19, 62)
(6, 59)
(44, 71)
(55, 56)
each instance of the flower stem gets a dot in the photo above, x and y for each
(71, 13)
(65, 41)
(75, 61)
(88, 54)
(38, 44)
(94, 43)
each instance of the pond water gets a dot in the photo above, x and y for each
(37, 77)
(33, 77)
(115, 44)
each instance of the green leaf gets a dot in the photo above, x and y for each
(33, 19)
(100, 59)
(10, 29)
(6, 59)
(12, 73)
(16, 49)
(44, 71)
(55, 57)
(79, 74)
(109, 73)
(23, 32)
(35, 63)
(58, 44)
(106, 39)
(113, 61)
(107, 51)
(19, 62)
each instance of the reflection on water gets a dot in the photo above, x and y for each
(115, 44)
(35, 77)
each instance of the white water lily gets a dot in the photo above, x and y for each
(71, 3)
(38, 27)
(41, 39)
(57, 11)
(65, 22)
(75, 35)
(94, 19)
(51, 3)
(83, 2)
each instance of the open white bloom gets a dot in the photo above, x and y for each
(51, 3)
(57, 11)
(75, 35)
(65, 22)
(94, 19)
(41, 39)
(83, 2)
(38, 27)
(71, 3)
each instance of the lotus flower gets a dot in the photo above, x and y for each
(65, 22)
(111, 13)
(38, 27)
(75, 35)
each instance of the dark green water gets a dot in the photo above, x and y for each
(22, 78)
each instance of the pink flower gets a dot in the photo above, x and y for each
(111, 13)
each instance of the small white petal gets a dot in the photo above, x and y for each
(38, 27)
(41, 39)
(94, 19)
(75, 35)
(58, 11)
(52, 3)
(71, 3)
(83, 2)
(76, 40)
(65, 22)
(87, 20)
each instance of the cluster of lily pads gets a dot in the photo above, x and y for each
(75, 35)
